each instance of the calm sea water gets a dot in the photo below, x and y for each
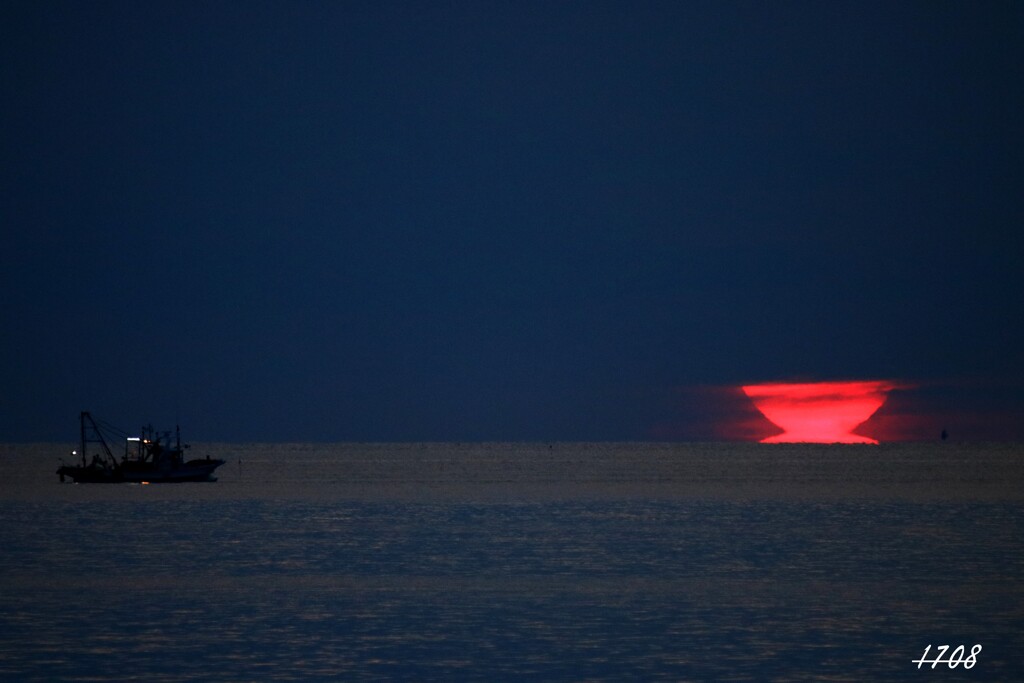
(518, 561)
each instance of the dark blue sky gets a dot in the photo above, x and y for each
(514, 220)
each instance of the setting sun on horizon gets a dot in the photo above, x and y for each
(819, 412)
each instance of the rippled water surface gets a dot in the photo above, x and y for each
(509, 562)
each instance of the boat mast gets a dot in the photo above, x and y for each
(81, 430)
(94, 436)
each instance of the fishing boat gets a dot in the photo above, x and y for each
(150, 458)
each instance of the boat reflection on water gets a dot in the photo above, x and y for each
(150, 458)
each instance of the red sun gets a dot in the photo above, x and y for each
(819, 412)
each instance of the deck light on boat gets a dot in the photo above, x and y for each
(134, 438)
(819, 412)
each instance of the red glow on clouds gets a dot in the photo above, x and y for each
(819, 412)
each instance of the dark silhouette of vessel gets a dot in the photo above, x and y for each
(150, 458)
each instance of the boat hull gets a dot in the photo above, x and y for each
(194, 470)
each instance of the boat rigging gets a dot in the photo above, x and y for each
(152, 457)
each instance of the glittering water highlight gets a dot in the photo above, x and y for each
(504, 562)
